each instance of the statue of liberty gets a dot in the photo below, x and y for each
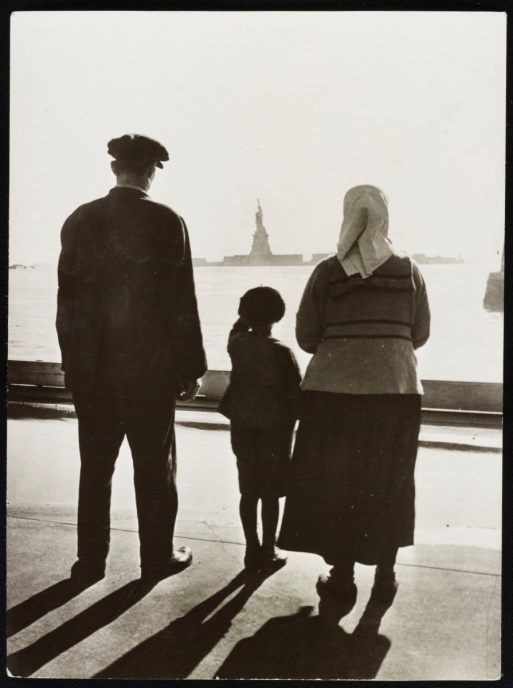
(260, 248)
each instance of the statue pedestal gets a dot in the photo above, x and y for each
(494, 295)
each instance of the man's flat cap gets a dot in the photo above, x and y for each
(135, 148)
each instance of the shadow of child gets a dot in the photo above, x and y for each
(177, 649)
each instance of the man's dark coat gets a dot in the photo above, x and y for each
(127, 318)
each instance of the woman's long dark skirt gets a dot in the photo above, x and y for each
(351, 494)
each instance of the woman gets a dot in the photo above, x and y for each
(351, 494)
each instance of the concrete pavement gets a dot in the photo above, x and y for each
(208, 621)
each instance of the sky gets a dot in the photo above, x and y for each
(292, 108)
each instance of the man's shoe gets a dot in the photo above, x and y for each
(83, 573)
(273, 559)
(180, 559)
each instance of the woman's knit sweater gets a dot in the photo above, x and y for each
(363, 332)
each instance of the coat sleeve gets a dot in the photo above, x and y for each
(189, 344)
(422, 318)
(67, 286)
(239, 327)
(309, 321)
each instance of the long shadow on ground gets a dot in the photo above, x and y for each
(43, 602)
(301, 646)
(26, 661)
(176, 650)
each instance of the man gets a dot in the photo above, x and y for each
(130, 338)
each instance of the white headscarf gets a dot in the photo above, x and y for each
(363, 244)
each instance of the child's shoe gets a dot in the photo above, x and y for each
(253, 558)
(273, 559)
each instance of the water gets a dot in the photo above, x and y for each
(465, 343)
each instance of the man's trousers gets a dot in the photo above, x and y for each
(148, 424)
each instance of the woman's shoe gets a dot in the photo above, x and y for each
(336, 598)
(384, 588)
(329, 586)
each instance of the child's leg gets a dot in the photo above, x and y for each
(275, 457)
(244, 445)
(272, 557)
(248, 516)
(270, 516)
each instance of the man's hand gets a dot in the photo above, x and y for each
(190, 390)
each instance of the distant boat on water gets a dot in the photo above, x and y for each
(423, 259)
(494, 294)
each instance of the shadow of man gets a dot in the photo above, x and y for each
(177, 649)
(26, 661)
(25, 613)
(302, 646)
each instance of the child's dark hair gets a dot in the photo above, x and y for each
(261, 306)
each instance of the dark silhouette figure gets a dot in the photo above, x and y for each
(176, 650)
(351, 492)
(130, 339)
(31, 658)
(302, 646)
(262, 402)
(43, 602)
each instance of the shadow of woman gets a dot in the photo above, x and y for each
(303, 646)
(180, 646)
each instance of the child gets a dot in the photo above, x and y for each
(262, 403)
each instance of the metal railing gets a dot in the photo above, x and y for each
(444, 402)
